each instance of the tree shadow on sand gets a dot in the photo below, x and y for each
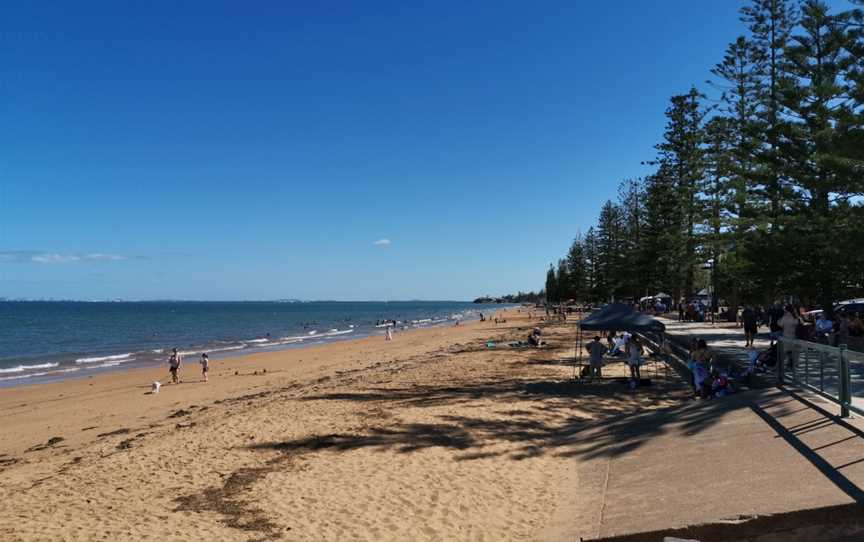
(562, 418)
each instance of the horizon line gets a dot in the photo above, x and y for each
(285, 300)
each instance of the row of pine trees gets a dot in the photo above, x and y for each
(756, 187)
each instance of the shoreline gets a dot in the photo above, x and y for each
(78, 397)
(90, 365)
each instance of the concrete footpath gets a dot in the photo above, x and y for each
(769, 464)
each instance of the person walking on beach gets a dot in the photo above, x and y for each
(389, 334)
(174, 366)
(205, 365)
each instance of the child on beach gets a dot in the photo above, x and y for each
(205, 365)
(174, 366)
(634, 359)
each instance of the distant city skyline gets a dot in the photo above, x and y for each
(349, 151)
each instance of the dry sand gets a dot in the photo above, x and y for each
(432, 436)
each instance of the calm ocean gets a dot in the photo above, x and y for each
(41, 341)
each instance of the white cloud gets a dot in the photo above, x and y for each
(104, 257)
(54, 258)
(381, 242)
(31, 256)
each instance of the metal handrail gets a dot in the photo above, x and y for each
(797, 359)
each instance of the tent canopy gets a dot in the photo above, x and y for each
(618, 317)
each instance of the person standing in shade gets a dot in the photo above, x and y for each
(174, 366)
(634, 358)
(774, 316)
(596, 349)
(205, 366)
(824, 329)
(842, 335)
(748, 319)
(789, 324)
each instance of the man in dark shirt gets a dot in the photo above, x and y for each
(748, 318)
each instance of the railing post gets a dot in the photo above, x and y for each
(822, 357)
(779, 346)
(845, 383)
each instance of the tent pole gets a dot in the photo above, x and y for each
(577, 355)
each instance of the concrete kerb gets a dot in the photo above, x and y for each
(832, 523)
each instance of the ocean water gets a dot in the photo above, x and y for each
(43, 341)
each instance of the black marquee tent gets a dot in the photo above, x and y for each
(618, 317)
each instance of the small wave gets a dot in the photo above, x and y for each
(289, 340)
(22, 368)
(104, 358)
(313, 332)
(297, 338)
(158, 350)
(333, 332)
(187, 353)
(227, 348)
(107, 364)
(18, 377)
(258, 341)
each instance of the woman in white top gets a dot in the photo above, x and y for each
(789, 324)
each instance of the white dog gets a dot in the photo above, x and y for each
(155, 387)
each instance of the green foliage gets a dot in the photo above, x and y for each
(760, 195)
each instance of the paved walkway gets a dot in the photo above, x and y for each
(769, 460)
(712, 465)
(727, 341)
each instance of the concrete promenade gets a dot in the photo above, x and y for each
(727, 341)
(769, 464)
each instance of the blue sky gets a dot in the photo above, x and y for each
(210, 150)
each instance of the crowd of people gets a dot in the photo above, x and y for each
(796, 322)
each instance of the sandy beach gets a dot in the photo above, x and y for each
(432, 436)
